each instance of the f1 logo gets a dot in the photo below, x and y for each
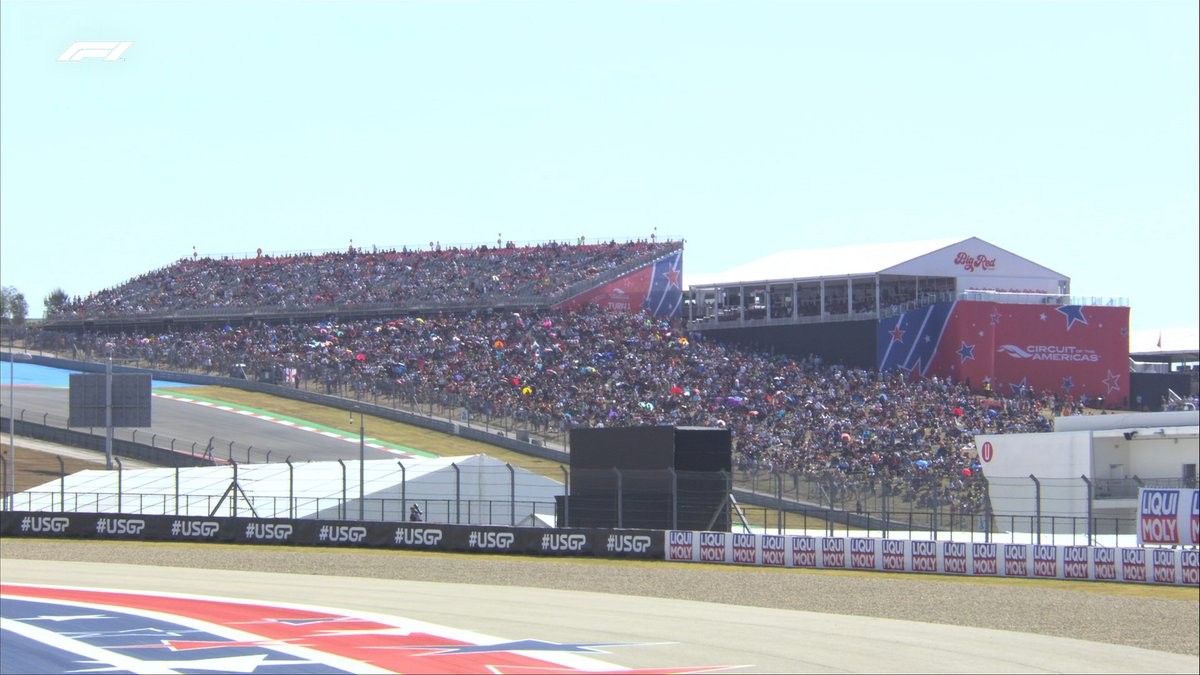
(109, 51)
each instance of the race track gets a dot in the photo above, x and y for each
(571, 630)
(190, 423)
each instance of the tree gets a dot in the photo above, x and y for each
(55, 302)
(7, 293)
(18, 309)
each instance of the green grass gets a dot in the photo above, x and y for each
(397, 433)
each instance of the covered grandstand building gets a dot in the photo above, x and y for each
(963, 309)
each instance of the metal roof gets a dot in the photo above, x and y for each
(315, 488)
(863, 259)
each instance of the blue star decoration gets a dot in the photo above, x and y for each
(1073, 314)
(1020, 386)
(966, 353)
(995, 318)
(1067, 383)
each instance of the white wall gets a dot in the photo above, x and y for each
(1058, 460)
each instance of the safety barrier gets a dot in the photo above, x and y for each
(1179, 567)
(583, 542)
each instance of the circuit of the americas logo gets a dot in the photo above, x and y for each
(104, 50)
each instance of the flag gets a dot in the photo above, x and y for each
(1159, 345)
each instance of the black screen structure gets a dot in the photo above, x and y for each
(649, 477)
(130, 400)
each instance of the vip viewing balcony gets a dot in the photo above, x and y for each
(705, 313)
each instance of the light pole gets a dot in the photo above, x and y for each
(11, 488)
(108, 428)
(362, 451)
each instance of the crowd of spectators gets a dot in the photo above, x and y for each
(855, 428)
(358, 277)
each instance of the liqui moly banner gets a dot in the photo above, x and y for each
(981, 559)
(1169, 517)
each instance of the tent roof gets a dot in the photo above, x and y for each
(861, 260)
(201, 488)
(824, 262)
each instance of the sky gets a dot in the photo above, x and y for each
(1065, 132)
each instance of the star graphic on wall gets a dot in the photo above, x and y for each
(928, 339)
(897, 334)
(1043, 317)
(1067, 383)
(995, 318)
(966, 353)
(1112, 382)
(1018, 387)
(672, 276)
(915, 373)
(1073, 314)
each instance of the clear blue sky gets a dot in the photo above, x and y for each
(1065, 132)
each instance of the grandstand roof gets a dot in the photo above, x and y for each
(864, 259)
(1165, 345)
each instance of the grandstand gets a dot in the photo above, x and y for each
(961, 309)
(498, 333)
(358, 283)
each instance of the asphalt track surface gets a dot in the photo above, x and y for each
(627, 632)
(192, 423)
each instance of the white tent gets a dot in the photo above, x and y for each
(951, 258)
(475, 489)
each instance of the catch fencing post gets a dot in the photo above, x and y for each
(403, 489)
(1090, 535)
(342, 509)
(457, 490)
(120, 488)
(566, 496)
(778, 503)
(234, 488)
(1037, 497)
(291, 488)
(512, 495)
